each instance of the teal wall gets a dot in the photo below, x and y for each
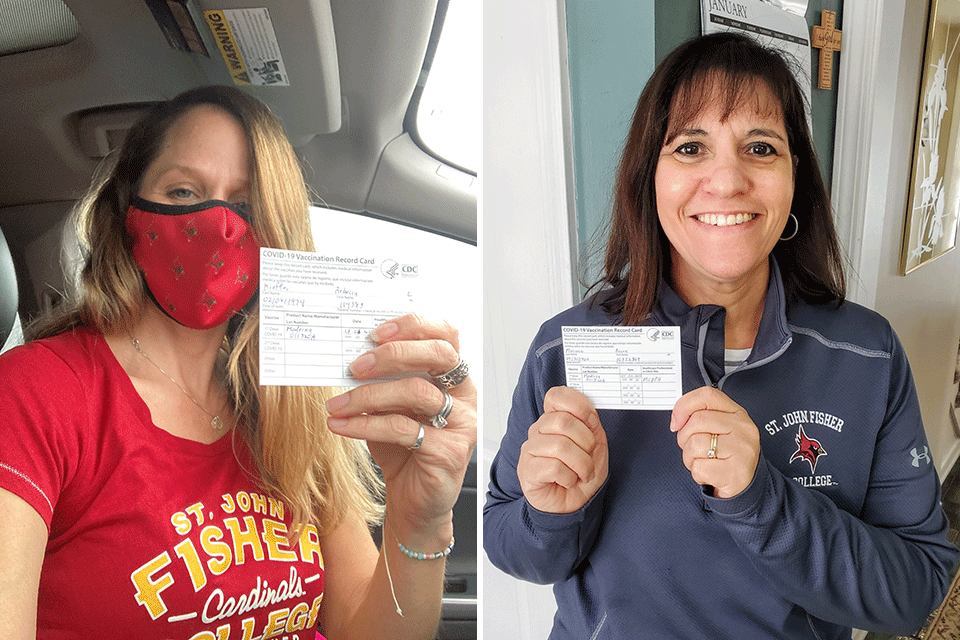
(610, 47)
(613, 46)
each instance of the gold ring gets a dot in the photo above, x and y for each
(712, 451)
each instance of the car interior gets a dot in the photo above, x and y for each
(346, 80)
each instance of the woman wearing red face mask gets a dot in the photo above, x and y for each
(150, 487)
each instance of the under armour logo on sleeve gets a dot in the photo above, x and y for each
(917, 457)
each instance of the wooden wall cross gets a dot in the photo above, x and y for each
(827, 39)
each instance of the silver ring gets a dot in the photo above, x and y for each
(453, 377)
(416, 445)
(440, 420)
(712, 451)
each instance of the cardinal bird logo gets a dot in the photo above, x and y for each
(808, 449)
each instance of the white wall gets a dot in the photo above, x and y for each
(879, 83)
(526, 238)
(923, 306)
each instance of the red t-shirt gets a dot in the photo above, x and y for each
(151, 536)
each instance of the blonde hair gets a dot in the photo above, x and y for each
(320, 475)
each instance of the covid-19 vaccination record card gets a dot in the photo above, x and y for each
(317, 309)
(621, 367)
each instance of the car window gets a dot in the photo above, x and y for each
(448, 113)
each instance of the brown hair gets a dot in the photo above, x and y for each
(724, 67)
(320, 475)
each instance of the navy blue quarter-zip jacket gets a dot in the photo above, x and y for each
(841, 527)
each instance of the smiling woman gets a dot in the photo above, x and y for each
(635, 514)
(724, 185)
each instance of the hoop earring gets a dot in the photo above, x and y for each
(796, 228)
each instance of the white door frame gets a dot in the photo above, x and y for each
(528, 236)
(869, 64)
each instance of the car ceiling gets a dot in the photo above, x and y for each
(344, 109)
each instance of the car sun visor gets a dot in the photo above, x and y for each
(280, 51)
(28, 26)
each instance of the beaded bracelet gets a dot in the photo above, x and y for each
(415, 555)
(419, 555)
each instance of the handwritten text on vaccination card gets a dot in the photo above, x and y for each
(624, 367)
(318, 309)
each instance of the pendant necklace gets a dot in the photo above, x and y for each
(215, 422)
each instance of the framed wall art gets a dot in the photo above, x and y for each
(930, 228)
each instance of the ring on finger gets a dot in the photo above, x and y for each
(712, 451)
(416, 445)
(440, 420)
(453, 377)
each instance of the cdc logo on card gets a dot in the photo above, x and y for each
(660, 333)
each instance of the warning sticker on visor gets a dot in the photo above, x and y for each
(248, 44)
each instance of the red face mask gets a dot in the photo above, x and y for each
(201, 262)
